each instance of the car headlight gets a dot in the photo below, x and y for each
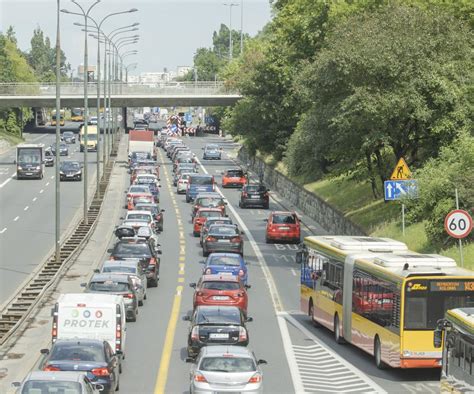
(78, 172)
(38, 168)
(19, 168)
(61, 172)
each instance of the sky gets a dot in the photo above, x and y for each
(170, 30)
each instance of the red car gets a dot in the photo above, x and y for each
(283, 226)
(208, 200)
(233, 177)
(220, 289)
(200, 218)
(136, 198)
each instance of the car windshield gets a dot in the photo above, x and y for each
(284, 219)
(220, 285)
(139, 216)
(255, 188)
(120, 268)
(201, 180)
(235, 173)
(137, 200)
(212, 147)
(149, 208)
(139, 189)
(68, 134)
(224, 260)
(50, 387)
(211, 222)
(223, 230)
(68, 165)
(209, 214)
(184, 177)
(227, 364)
(109, 286)
(209, 202)
(218, 315)
(77, 352)
(146, 179)
(133, 249)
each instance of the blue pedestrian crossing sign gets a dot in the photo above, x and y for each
(396, 190)
(188, 117)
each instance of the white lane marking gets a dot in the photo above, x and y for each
(26, 208)
(52, 177)
(34, 199)
(294, 272)
(16, 218)
(5, 182)
(4, 229)
(47, 184)
(41, 191)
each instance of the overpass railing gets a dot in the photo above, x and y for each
(202, 88)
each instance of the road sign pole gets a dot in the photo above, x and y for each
(461, 255)
(403, 219)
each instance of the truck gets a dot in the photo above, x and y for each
(29, 161)
(92, 137)
(141, 141)
(91, 316)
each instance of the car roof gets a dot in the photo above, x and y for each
(220, 278)
(146, 204)
(107, 276)
(233, 226)
(282, 213)
(205, 209)
(208, 195)
(217, 308)
(69, 376)
(121, 263)
(222, 254)
(219, 350)
(138, 212)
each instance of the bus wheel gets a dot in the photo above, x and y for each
(337, 330)
(311, 314)
(378, 354)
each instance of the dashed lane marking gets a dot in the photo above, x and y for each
(3, 230)
(16, 218)
(34, 199)
(26, 208)
(41, 191)
(47, 184)
(5, 182)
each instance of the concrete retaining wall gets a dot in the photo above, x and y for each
(308, 203)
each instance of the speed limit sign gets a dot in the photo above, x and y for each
(458, 223)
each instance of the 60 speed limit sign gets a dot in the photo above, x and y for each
(458, 223)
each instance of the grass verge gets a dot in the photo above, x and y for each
(10, 138)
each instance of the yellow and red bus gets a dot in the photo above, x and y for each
(377, 295)
(457, 375)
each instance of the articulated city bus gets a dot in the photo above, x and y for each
(77, 115)
(457, 375)
(381, 297)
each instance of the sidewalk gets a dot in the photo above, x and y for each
(24, 355)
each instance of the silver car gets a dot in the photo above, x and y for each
(57, 382)
(132, 268)
(226, 369)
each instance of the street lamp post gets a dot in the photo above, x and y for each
(230, 5)
(241, 27)
(58, 109)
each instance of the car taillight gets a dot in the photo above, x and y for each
(111, 258)
(241, 273)
(242, 334)
(257, 378)
(235, 239)
(213, 187)
(51, 368)
(210, 239)
(129, 198)
(54, 331)
(208, 271)
(199, 377)
(101, 372)
(244, 194)
(195, 333)
(129, 295)
(152, 261)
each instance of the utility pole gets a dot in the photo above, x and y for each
(230, 5)
(241, 27)
(57, 231)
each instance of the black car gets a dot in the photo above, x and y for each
(224, 238)
(142, 249)
(155, 211)
(68, 137)
(116, 284)
(216, 325)
(94, 357)
(63, 149)
(209, 222)
(70, 171)
(254, 195)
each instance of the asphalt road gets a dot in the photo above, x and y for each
(27, 212)
(300, 357)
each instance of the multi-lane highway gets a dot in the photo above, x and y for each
(300, 357)
(27, 212)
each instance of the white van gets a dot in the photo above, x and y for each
(91, 316)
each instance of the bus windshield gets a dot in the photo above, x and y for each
(431, 299)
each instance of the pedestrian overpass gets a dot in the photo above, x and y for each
(170, 94)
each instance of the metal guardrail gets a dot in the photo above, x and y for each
(118, 88)
(20, 306)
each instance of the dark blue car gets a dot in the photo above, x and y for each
(199, 183)
(227, 263)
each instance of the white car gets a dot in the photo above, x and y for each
(140, 216)
(93, 120)
(226, 368)
(182, 183)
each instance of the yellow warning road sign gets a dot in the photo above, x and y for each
(401, 171)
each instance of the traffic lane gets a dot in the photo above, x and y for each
(391, 379)
(145, 337)
(27, 223)
(264, 334)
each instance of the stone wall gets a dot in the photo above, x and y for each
(330, 218)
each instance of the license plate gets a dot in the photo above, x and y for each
(29, 173)
(283, 228)
(254, 196)
(218, 335)
(223, 240)
(69, 176)
(220, 298)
